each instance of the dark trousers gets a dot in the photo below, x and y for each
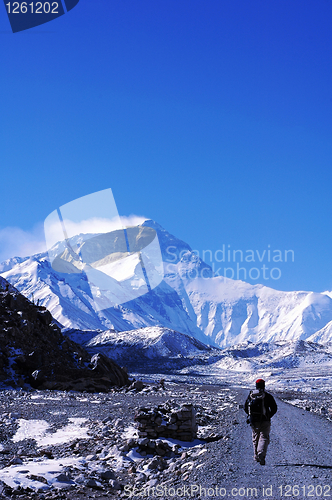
(260, 438)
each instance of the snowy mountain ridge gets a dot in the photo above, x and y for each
(215, 310)
(158, 352)
(148, 348)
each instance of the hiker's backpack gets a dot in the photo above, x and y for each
(257, 411)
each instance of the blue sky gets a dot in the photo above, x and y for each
(213, 118)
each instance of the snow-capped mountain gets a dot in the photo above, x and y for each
(278, 355)
(159, 352)
(215, 310)
(148, 348)
(230, 312)
(293, 365)
(68, 296)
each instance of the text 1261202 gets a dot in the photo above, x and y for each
(32, 7)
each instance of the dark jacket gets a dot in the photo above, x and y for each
(269, 403)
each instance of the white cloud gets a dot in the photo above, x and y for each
(132, 220)
(16, 242)
(101, 225)
(54, 229)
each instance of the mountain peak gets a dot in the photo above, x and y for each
(214, 310)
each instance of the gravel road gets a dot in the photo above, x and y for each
(299, 462)
(299, 456)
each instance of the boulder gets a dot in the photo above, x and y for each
(37, 378)
(105, 366)
(137, 384)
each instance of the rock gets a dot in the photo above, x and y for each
(143, 442)
(80, 479)
(124, 447)
(138, 385)
(131, 442)
(106, 367)
(152, 483)
(45, 317)
(46, 453)
(140, 477)
(63, 485)
(153, 464)
(115, 485)
(119, 422)
(160, 451)
(105, 453)
(157, 463)
(92, 483)
(107, 475)
(63, 478)
(14, 415)
(172, 427)
(37, 378)
(211, 437)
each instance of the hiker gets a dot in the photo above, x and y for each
(260, 407)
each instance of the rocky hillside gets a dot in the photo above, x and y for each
(34, 351)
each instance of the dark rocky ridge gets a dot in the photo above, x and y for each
(33, 350)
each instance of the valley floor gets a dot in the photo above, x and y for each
(75, 446)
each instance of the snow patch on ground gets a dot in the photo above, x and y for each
(39, 430)
(18, 475)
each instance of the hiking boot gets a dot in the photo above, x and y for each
(262, 460)
(256, 458)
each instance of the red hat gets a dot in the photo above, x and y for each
(260, 383)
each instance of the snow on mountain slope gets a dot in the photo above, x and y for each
(160, 352)
(151, 350)
(230, 312)
(68, 298)
(215, 310)
(284, 365)
(145, 344)
(281, 355)
(323, 335)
